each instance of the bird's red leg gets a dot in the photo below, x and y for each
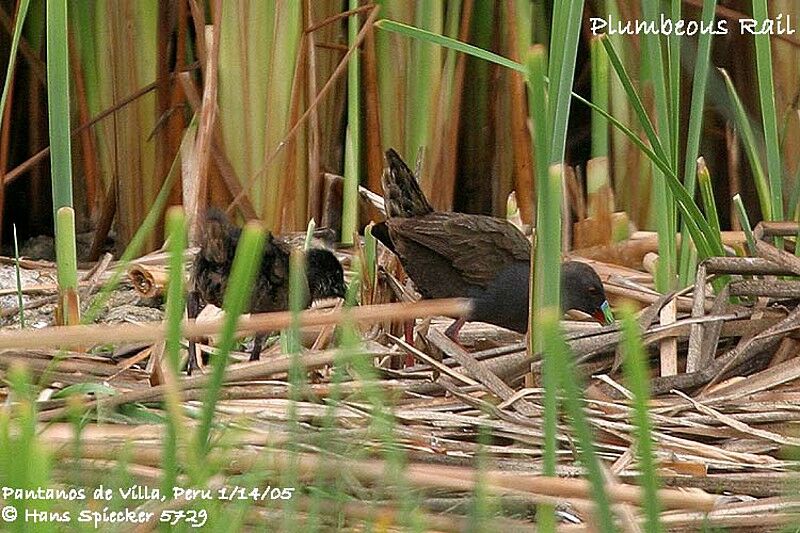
(408, 328)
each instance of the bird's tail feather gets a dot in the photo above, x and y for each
(402, 194)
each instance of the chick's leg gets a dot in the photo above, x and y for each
(258, 343)
(192, 310)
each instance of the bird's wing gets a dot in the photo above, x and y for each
(477, 246)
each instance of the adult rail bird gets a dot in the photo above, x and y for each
(483, 258)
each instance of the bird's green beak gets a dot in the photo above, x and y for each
(604, 315)
(607, 314)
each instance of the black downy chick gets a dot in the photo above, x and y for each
(212, 267)
(459, 255)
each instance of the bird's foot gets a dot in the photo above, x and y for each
(454, 329)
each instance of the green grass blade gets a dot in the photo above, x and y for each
(744, 221)
(176, 298)
(635, 101)
(673, 49)
(659, 80)
(556, 348)
(12, 58)
(175, 306)
(707, 194)
(652, 57)
(298, 295)
(24, 461)
(698, 227)
(417, 33)
(537, 108)
(561, 68)
(750, 147)
(237, 298)
(699, 82)
(766, 93)
(636, 376)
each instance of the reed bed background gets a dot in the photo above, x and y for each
(280, 112)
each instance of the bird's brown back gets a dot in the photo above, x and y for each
(452, 254)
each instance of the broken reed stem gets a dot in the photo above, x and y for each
(65, 336)
(419, 474)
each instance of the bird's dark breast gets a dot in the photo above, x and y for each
(271, 290)
(504, 302)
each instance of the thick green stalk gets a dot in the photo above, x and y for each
(67, 267)
(653, 67)
(352, 139)
(285, 25)
(699, 82)
(424, 76)
(537, 108)
(61, 154)
(600, 88)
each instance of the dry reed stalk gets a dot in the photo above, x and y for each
(64, 336)
(205, 130)
(224, 166)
